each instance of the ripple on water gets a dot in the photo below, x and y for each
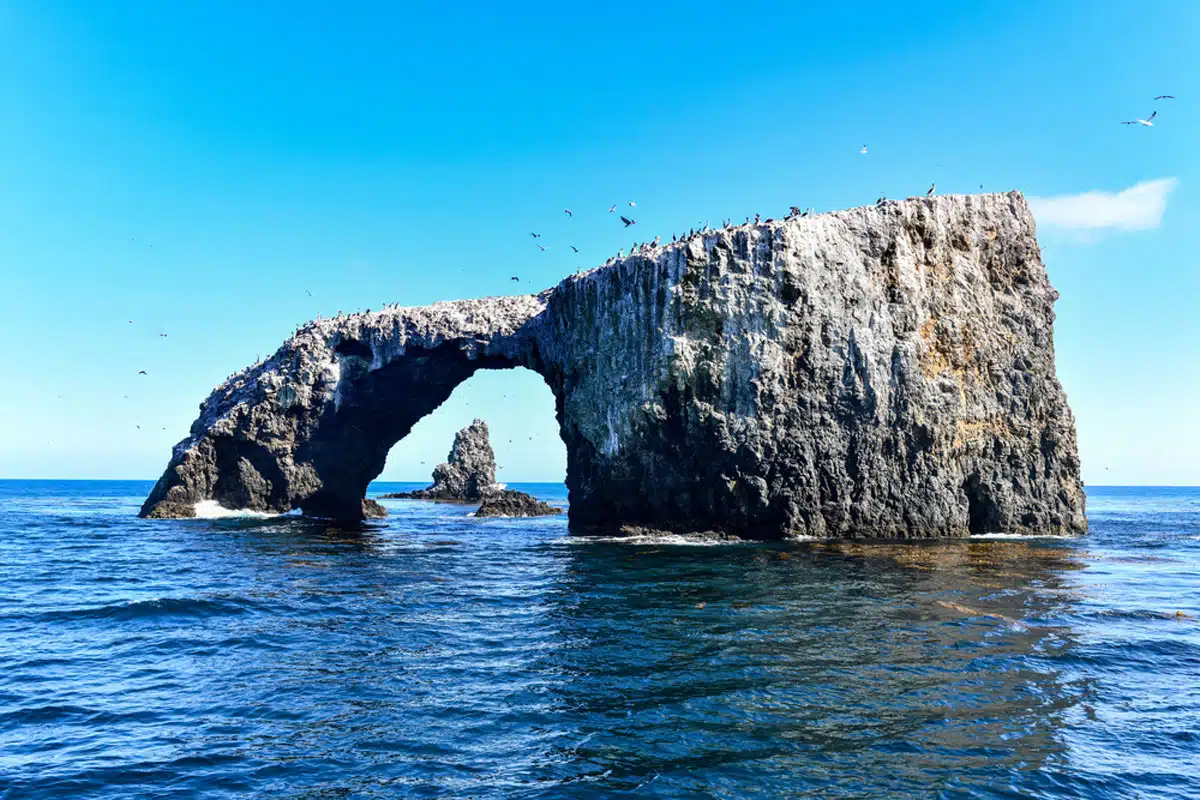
(434, 655)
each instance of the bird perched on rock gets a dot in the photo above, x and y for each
(932, 189)
(794, 211)
(628, 221)
(1148, 121)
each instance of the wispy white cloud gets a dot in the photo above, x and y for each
(1137, 208)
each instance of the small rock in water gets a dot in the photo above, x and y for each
(511, 503)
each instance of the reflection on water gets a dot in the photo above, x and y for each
(434, 655)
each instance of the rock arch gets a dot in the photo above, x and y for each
(874, 372)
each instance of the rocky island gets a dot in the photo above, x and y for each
(511, 503)
(467, 475)
(885, 371)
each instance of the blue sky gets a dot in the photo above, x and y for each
(200, 168)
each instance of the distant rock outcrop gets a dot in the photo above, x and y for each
(886, 371)
(467, 475)
(511, 503)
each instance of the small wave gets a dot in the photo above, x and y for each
(211, 509)
(148, 609)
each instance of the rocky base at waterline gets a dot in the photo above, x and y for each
(885, 371)
(468, 473)
(511, 503)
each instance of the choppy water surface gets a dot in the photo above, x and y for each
(439, 656)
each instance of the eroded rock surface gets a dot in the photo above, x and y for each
(882, 371)
(468, 474)
(511, 503)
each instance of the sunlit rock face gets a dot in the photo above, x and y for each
(877, 372)
(468, 473)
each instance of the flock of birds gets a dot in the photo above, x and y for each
(794, 212)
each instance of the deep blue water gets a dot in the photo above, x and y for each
(434, 655)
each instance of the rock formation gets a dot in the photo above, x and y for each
(883, 371)
(467, 475)
(511, 503)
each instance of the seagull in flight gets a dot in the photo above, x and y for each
(515, 278)
(612, 208)
(863, 151)
(307, 292)
(576, 249)
(535, 235)
(567, 211)
(1148, 121)
(542, 247)
(628, 221)
(141, 372)
(1165, 97)
(632, 204)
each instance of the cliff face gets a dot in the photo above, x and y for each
(874, 372)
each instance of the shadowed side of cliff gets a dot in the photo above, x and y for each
(884, 371)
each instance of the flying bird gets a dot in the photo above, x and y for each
(542, 247)
(1165, 97)
(1148, 121)
(576, 249)
(863, 151)
(632, 204)
(628, 221)
(307, 292)
(612, 208)
(141, 372)
(515, 278)
(567, 211)
(535, 235)
(932, 189)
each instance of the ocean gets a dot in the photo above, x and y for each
(432, 655)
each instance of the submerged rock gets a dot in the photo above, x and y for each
(467, 475)
(886, 371)
(168, 509)
(511, 503)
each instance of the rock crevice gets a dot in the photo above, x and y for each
(882, 371)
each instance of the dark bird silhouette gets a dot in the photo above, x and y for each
(307, 292)
(632, 204)
(576, 249)
(141, 372)
(1165, 97)
(628, 221)
(612, 208)
(542, 247)
(163, 335)
(567, 211)
(932, 189)
(535, 235)
(515, 278)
